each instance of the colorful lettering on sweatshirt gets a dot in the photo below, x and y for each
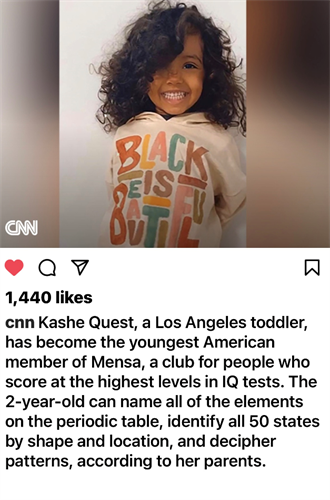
(160, 190)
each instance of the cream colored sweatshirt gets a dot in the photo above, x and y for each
(171, 183)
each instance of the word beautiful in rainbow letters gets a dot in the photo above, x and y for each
(168, 197)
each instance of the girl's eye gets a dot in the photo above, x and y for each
(190, 66)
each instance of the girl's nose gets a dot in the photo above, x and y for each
(174, 75)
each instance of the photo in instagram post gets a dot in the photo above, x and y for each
(199, 370)
(174, 177)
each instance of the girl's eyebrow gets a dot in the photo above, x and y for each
(193, 57)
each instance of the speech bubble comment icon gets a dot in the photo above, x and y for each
(47, 267)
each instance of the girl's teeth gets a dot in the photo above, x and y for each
(174, 96)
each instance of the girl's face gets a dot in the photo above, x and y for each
(179, 86)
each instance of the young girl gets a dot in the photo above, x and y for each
(171, 92)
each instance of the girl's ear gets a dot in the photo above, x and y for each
(211, 76)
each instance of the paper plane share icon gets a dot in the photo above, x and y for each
(80, 265)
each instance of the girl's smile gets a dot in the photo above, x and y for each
(178, 87)
(174, 96)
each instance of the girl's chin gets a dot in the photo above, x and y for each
(171, 109)
(173, 112)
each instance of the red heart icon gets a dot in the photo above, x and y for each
(14, 266)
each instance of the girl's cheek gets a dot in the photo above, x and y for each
(160, 75)
(155, 83)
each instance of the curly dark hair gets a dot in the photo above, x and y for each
(153, 42)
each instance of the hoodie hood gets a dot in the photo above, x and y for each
(185, 118)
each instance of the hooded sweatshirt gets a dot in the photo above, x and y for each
(171, 183)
